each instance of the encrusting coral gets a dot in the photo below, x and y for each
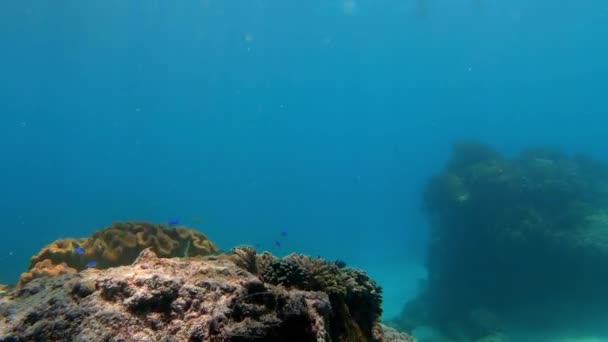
(118, 245)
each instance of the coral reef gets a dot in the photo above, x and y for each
(352, 293)
(194, 299)
(118, 245)
(514, 241)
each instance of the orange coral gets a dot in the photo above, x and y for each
(45, 268)
(121, 243)
(59, 251)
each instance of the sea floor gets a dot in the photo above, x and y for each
(425, 334)
(400, 283)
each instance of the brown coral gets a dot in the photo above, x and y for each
(121, 243)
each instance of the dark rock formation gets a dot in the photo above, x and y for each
(197, 299)
(517, 241)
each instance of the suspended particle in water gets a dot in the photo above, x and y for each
(10, 254)
(516, 15)
(422, 8)
(349, 7)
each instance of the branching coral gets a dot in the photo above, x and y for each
(363, 297)
(321, 275)
(312, 274)
(351, 291)
(286, 272)
(245, 257)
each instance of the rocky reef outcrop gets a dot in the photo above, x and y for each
(515, 241)
(237, 296)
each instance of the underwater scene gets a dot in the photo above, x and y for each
(324, 170)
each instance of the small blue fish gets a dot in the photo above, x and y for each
(92, 264)
(283, 233)
(173, 222)
(79, 250)
(277, 243)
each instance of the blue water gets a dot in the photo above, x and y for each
(321, 118)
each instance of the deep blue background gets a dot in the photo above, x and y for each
(322, 118)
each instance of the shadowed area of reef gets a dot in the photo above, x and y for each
(515, 242)
(236, 296)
